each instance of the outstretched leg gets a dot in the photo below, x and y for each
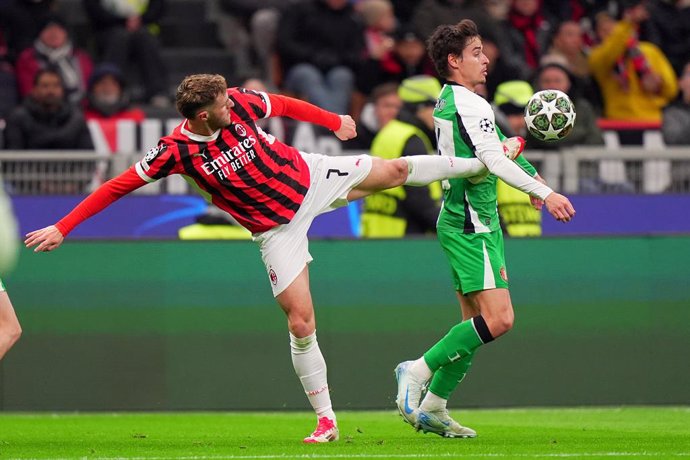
(416, 170)
(309, 363)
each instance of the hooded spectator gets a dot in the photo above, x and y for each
(107, 97)
(53, 48)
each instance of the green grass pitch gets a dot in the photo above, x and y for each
(591, 433)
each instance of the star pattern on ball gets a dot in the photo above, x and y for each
(555, 118)
(486, 125)
(551, 134)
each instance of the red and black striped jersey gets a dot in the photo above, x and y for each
(250, 174)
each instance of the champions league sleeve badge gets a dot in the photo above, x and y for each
(486, 125)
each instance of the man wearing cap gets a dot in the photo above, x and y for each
(405, 210)
(107, 98)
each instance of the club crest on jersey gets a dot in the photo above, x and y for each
(440, 104)
(272, 275)
(239, 129)
(486, 125)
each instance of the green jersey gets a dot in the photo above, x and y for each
(9, 232)
(465, 127)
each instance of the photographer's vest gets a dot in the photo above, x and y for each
(381, 214)
(518, 217)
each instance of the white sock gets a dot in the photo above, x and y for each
(310, 367)
(433, 403)
(425, 169)
(420, 369)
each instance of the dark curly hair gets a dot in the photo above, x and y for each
(450, 39)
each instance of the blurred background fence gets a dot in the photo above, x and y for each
(579, 170)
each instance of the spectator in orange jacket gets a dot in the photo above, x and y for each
(635, 78)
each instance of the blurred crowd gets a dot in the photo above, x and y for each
(622, 60)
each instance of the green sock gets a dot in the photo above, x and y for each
(461, 341)
(447, 378)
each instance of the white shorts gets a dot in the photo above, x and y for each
(2, 286)
(285, 248)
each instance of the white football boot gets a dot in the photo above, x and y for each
(410, 388)
(440, 423)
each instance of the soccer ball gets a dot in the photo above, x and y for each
(550, 115)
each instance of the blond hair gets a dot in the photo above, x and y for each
(198, 91)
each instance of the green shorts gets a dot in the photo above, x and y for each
(477, 260)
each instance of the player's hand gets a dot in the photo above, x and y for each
(651, 83)
(536, 202)
(348, 129)
(380, 49)
(559, 207)
(637, 14)
(45, 239)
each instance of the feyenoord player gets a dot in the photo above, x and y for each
(272, 189)
(468, 230)
(10, 330)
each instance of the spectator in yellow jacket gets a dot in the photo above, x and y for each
(635, 77)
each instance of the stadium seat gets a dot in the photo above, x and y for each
(183, 33)
(80, 29)
(185, 61)
(193, 11)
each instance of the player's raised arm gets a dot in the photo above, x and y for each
(51, 237)
(342, 125)
(478, 119)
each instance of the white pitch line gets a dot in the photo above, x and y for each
(365, 456)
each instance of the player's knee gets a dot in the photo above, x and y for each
(502, 323)
(15, 334)
(505, 323)
(301, 326)
(12, 333)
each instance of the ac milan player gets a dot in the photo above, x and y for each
(272, 189)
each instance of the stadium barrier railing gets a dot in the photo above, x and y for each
(583, 170)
